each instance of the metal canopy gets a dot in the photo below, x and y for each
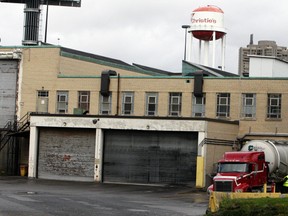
(72, 3)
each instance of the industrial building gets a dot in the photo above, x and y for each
(71, 115)
(264, 48)
(93, 118)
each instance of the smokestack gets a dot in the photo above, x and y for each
(251, 39)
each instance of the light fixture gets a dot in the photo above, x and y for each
(94, 121)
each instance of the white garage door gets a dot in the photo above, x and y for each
(66, 154)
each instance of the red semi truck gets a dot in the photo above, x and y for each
(259, 162)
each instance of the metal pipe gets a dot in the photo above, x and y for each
(46, 21)
(185, 45)
(118, 94)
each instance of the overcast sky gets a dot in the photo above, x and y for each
(149, 32)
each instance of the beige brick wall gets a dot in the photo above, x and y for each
(40, 68)
(224, 131)
(213, 154)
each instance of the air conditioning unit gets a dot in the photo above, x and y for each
(78, 111)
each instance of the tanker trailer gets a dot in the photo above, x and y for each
(258, 162)
(276, 154)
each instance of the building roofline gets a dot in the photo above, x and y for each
(159, 71)
(268, 57)
(209, 71)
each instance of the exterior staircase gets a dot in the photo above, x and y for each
(13, 128)
(9, 143)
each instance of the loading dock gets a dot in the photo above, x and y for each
(150, 157)
(66, 154)
(125, 150)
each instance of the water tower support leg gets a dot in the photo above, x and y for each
(223, 40)
(200, 52)
(189, 47)
(206, 53)
(213, 49)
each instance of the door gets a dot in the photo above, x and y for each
(66, 154)
(149, 157)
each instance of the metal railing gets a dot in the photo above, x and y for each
(13, 127)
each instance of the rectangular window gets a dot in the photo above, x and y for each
(175, 102)
(127, 103)
(151, 104)
(274, 106)
(43, 94)
(105, 106)
(62, 102)
(42, 101)
(248, 105)
(198, 107)
(84, 101)
(223, 105)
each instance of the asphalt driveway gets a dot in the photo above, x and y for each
(22, 196)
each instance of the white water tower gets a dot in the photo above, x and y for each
(207, 27)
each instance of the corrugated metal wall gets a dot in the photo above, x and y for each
(66, 154)
(8, 80)
(150, 157)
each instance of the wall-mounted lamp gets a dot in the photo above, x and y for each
(94, 121)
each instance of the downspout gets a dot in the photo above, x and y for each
(118, 94)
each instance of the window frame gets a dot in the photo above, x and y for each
(271, 108)
(178, 105)
(223, 97)
(198, 109)
(126, 104)
(248, 110)
(149, 111)
(103, 104)
(84, 104)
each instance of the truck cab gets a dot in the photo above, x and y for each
(240, 172)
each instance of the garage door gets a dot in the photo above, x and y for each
(149, 157)
(66, 154)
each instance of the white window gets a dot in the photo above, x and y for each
(198, 107)
(127, 103)
(175, 100)
(223, 105)
(151, 104)
(105, 106)
(248, 105)
(274, 106)
(84, 100)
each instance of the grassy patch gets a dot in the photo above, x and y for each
(253, 207)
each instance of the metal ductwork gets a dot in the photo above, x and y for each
(198, 84)
(31, 24)
(105, 81)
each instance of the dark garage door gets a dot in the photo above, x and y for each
(149, 157)
(66, 154)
